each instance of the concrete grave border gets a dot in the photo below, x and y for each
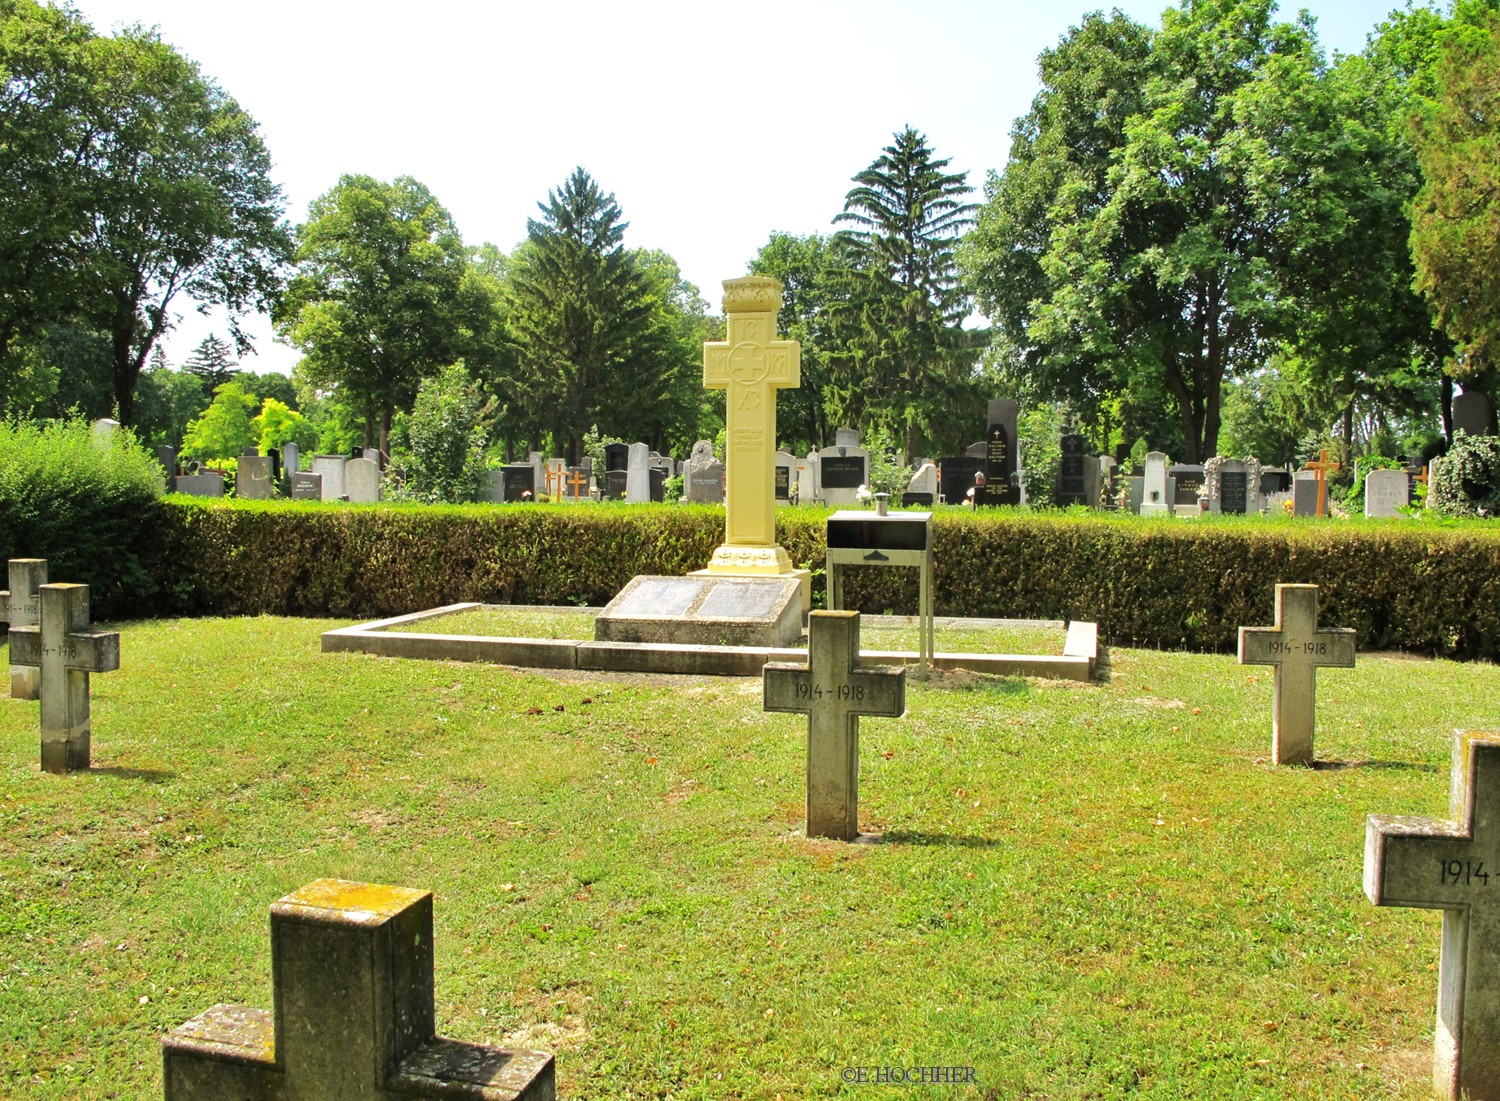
(1076, 662)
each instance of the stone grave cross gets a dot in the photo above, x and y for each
(1296, 648)
(21, 606)
(750, 366)
(66, 652)
(351, 974)
(1454, 866)
(1323, 466)
(833, 690)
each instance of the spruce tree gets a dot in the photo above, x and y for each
(212, 361)
(903, 359)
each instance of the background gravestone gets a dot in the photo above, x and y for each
(638, 475)
(1232, 485)
(252, 480)
(518, 482)
(201, 485)
(705, 482)
(1001, 457)
(784, 469)
(362, 481)
(1185, 484)
(1305, 494)
(332, 469)
(956, 477)
(307, 486)
(1472, 413)
(1072, 483)
(616, 462)
(841, 471)
(291, 457)
(1387, 492)
(1154, 500)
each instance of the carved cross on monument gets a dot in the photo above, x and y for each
(66, 652)
(832, 690)
(1454, 866)
(1323, 466)
(21, 606)
(351, 974)
(750, 367)
(1296, 648)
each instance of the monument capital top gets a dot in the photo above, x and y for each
(752, 294)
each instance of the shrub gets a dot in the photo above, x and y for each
(90, 509)
(445, 438)
(1467, 480)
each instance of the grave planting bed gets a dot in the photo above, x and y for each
(1081, 891)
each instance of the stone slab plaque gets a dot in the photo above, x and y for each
(307, 486)
(705, 610)
(842, 471)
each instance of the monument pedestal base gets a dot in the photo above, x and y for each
(772, 561)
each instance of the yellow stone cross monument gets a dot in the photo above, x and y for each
(750, 367)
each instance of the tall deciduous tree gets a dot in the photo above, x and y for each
(132, 180)
(1181, 205)
(902, 356)
(378, 301)
(1455, 236)
(587, 323)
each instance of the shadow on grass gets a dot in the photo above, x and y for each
(946, 840)
(1402, 766)
(149, 775)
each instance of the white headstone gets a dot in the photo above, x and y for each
(291, 458)
(925, 480)
(638, 475)
(104, 431)
(845, 437)
(362, 481)
(332, 469)
(1386, 492)
(1154, 501)
(785, 471)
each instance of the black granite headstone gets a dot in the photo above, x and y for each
(1071, 486)
(842, 471)
(517, 481)
(1234, 491)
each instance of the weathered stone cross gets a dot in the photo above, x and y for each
(750, 366)
(351, 969)
(1296, 648)
(20, 606)
(1454, 866)
(833, 691)
(66, 652)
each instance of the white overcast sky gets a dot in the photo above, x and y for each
(714, 124)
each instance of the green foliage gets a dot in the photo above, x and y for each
(166, 402)
(1455, 233)
(443, 459)
(604, 336)
(91, 511)
(1181, 205)
(276, 424)
(224, 430)
(1466, 482)
(1430, 586)
(804, 267)
(1039, 439)
(902, 359)
(888, 474)
(379, 300)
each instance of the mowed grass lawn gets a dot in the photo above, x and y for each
(1084, 891)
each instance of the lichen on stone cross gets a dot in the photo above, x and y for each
(833, 690)
(1454, 866)
(750, 366)
(21, 606)
(1296, 647)
(65, 651)
(351, 966)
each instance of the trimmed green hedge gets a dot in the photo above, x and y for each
(1426, 586)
